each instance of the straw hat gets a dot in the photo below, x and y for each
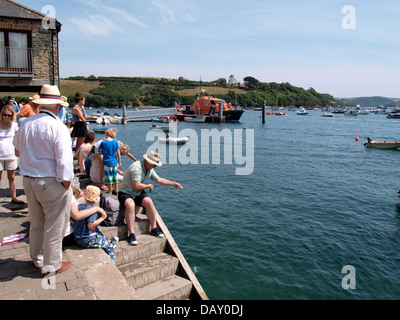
(92, 193)
(50, 95)
(154, 158)
(35, 97)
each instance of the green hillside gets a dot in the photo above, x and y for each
(136, 91)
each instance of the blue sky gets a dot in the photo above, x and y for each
(302, 42)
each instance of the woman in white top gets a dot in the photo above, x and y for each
(8, 160)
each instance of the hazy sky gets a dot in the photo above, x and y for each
(337, 49)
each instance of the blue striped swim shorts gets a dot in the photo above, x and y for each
(110, 175)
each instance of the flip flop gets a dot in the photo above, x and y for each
(104, 188)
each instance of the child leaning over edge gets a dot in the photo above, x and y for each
(111, 160)
(86, 231)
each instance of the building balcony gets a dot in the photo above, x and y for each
(16, 62)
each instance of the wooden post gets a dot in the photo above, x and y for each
(263, 111)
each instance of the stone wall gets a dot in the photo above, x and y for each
(44, 51)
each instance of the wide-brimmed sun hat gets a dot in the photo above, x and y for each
(92, 193)
(154, 158)
(50, 95)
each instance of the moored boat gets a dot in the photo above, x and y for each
(351, 113)
(100, 130)
(371, 143)
(393, 115)
(212, 108)
(302, 112)
(163, 128)
(198, 119)
(173, 140)
(163, 119)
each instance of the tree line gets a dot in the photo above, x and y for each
(138, 91)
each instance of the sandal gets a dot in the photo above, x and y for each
(104, 188)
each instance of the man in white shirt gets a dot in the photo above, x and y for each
(44, 145)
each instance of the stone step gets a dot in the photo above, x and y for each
(171, 288)
(150, 269)
(148, 246)
(142, 226)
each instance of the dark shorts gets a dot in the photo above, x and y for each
(122, 197)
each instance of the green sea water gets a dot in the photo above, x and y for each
(317, 201)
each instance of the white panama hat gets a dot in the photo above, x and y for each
(50, 95)
(154, 158)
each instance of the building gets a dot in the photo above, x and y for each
(29, 55)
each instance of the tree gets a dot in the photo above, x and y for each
(232, 80)
(251, 83)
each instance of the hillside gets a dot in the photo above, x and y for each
(372, 101)
(136, 91)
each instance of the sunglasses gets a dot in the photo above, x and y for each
(7, 115)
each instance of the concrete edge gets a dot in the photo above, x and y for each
(102, 276)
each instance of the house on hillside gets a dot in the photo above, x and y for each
(29, 55)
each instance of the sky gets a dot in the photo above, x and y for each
(345, 48)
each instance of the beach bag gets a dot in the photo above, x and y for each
(110, 204)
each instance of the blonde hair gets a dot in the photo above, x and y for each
(124, 148)
(76, 192)
(112, 133)
(7, 107)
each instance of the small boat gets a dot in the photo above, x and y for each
(116, 119)
(171, 140)
(163, 128)
(327, 115)
(165, 120)
(351, 113)
(371, 143)
(103, 121)
(100, 130)
(197, 119)
(393, 115)
(302, 112)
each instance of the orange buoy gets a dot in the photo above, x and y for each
(357, 138)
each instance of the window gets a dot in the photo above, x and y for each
(15, 52)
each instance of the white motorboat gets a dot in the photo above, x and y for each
(172, 140)
(198, 119)
(327, 115)
(163, 128)
(302, 112)
(116, 120)
(103, 120)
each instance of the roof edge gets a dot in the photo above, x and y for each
(26, 8)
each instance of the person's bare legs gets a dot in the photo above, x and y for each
(151, 211)
(13, 187)
(130, 215)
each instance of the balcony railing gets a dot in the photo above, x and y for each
(15, 60)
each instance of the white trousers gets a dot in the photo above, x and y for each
(49, 205)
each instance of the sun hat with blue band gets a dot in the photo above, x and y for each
(50, 95)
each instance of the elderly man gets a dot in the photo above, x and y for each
(44, 146)
(131, 192)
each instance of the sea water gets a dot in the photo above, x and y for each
(316, 203)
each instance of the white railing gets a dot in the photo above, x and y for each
(15, 60)
(148, 114)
